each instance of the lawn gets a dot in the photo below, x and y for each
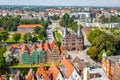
(29, 66)
(58, 35)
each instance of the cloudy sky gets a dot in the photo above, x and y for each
(62, 2)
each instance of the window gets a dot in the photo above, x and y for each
(76, 75)
(73, 43)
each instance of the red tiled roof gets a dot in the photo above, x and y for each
(41, 46)
(30, 75)
(47, 46)
(29, 26)
(1, 78)
(13, 46)
(25, 48)
(41, 71)
(61, 49)
(54, 70)
(68, 66)
(53, 44)
(33, 48)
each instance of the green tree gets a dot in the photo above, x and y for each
(7, 56)
(42, 34)
(16, 36)
(93, 51)
(37, 29)
(55, 17)
(4, 35)
(94, 33)
(27, 37)
(2, 50)
(103, 42)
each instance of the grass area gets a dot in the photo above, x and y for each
(58, 35)
(10, 39)
(29, 66)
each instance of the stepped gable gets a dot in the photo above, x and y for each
(41, 46)
(33, 48)
(41, 72)
(46, 46)
(53, 44)
(31, 75)
(13, 46)
(54, 71)
(67, 68)
(25, 48)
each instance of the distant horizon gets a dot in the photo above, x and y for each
(105, 3)
(59, 6)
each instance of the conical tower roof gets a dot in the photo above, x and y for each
(79, 33)
(65, 34)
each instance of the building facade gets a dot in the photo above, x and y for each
(27, 28)
(111, 65)
(73, 42)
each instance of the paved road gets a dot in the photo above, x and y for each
(50, 30)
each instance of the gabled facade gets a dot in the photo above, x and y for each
(111, 66)
(55, 73)
(45, 52)
(69, 71)
(73, 42)
(41, 73)
(31, 75)
(32, 55)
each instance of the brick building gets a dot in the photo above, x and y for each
(27, 28)
(73, 42)
(111, 65)
(43, 52)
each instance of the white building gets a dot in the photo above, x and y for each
(94, 74)
(69, 71)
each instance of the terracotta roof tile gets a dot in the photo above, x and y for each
(1, 78)
(25, 48)
(54, 71)
(13, 46)
(68, 66)
(41, 71)
(29, 26)
(47, 46)
(53, 44)
(30, 75)
(33, 48)
(41, 46)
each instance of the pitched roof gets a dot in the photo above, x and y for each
(33, 47)
(41, 71)
(61, 49)
(30, 75)
(68, 66)
(25, 48)
(13, 46)
(53, 44)
(1, 78)
(41, 46)
(47, 46)
(54, 71)
(29, 26)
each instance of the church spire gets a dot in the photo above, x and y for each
(65, 34)
(79, 33)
